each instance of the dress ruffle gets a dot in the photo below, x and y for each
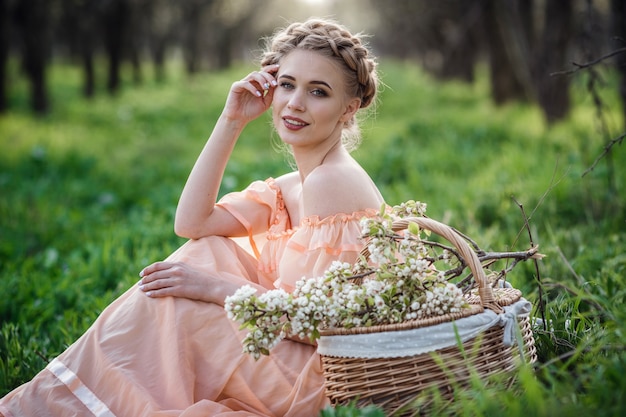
(317, 243)
(290, 254)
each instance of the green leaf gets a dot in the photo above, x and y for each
(413, 228)
(383, 209)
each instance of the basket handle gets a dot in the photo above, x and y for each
(469, 256)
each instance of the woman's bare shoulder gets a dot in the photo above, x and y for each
(331, 189)
(287, 182)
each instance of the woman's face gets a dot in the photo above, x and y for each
(310, 104)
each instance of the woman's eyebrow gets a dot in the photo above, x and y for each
(324, 83)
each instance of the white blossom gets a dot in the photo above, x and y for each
(398, 282)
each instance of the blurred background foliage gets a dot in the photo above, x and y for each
(105, 105)
(522, 42)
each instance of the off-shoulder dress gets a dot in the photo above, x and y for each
(172, 356)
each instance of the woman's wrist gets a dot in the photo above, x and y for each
(235, 124)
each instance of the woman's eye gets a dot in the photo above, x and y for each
(318, 92)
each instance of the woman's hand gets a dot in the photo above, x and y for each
(178, 279)
(251, 96)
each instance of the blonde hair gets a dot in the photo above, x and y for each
(334, 41)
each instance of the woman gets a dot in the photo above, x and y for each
(166, 346)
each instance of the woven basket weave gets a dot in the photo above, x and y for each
(393, 383)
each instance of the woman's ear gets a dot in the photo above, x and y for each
(353, 106)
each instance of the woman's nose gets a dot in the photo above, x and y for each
(295, 102)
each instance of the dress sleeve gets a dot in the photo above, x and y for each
(255, 207)
(317, 243)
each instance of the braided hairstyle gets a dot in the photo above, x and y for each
(332, 40)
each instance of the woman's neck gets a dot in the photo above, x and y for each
(308, 159)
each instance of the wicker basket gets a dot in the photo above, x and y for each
(393, 382)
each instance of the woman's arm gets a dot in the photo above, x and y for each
(196, 204)
(195, 214)
(178, 279)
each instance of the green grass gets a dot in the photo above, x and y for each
(88, 195)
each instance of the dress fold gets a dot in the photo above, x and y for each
(178, 357)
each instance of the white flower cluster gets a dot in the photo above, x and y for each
(396, 282)
(262, 314)
(410, 208)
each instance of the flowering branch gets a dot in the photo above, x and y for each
(395, 279)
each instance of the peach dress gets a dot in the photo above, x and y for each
(179, 357)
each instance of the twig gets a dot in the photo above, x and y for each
(581, 282)
(607, 148)
(42, 356)
(491, 257)
(575, 351)
(485, 258)
(469, 240)
(531, 253)
(598, 104)
(553, 183)
(569, 266)
(559, 358)
(592, 303)
(590, 63)
(542, 306)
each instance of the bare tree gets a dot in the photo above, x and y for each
(441, 35)
(161, 16)
(228, 26)
(136, 35)
(523, 41)
(553, 53)
(33, 18)
(506, 49)
(191, 15)
(461, 42)
(618, 12)
(79, 26)
(115, 21)
(5, 28)
(214, 30)
(593, 84)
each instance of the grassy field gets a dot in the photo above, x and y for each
(88, 195)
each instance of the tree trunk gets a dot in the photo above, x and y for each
(115, 23)
(89, 80)
(135, 60)
(76, 29)
(4, 52)
(618, 12)
(160, 23)
(87, 28)
(506, 84)
(191, 15)
(33, 17)
(402, 34)
(158, 59)
(553, 92)
(227, 35)
(136, 36)
(460, 50)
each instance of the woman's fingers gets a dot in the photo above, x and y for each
(252, 95)
(154, 271)
(172, 279)
(155, 278)
(157, 287)
(259, 82)
(176, 287)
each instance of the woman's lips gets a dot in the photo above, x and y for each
(293, 123)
